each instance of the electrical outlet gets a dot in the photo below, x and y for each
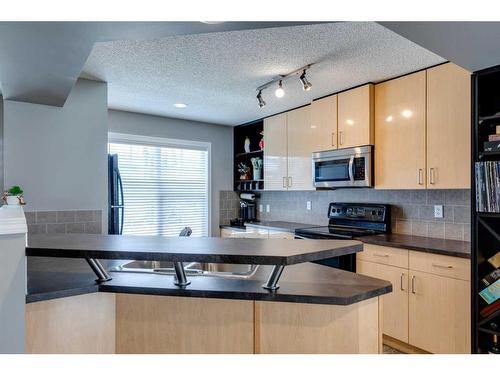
(261, 208)
(438, 210)
(308, 205)
(268, 208)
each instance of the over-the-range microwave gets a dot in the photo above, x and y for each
(349, 167)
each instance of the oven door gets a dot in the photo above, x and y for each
(343, 262)
(343, 168)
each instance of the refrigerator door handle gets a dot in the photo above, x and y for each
(121, 202)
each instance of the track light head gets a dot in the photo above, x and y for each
(262, 103)
(306, 85)
(279, 91)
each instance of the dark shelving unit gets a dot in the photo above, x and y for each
(253, 132)
(485, 225)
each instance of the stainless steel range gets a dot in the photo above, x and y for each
(348, 221)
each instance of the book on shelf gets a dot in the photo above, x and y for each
(490, 278)
(490, 309)
(495, 260)
(487, 186)
(494, 137)
(491, 293)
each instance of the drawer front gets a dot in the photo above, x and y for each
(384, 255)
(442, 265)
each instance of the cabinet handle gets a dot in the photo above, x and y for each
(413, 284)
(340, 136)
(441, 266)
(333, 138)
(381, 255)
(431, 176)
(401, 281)
(420, 176)
(289, 182)
(284, 179)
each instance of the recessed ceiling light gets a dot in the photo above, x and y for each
(180, 105)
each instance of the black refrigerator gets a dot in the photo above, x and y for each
(116, 207)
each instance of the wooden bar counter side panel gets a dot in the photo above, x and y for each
(285, 328)
(83, 324)
(158, 324)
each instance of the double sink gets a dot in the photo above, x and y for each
(223, 270)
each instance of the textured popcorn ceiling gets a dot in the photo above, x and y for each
(216, 74)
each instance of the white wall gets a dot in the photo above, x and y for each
(58, 155)
(221, 138)
(1, 145)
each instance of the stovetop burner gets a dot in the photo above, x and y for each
(349, 220)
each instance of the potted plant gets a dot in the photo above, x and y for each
(13, 196)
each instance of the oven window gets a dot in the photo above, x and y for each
(332, 170)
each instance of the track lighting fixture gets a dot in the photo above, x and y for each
(306, 85)
(279, 91)
(262, 103)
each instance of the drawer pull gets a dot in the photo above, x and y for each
(413, 284)
(381, 255)
(441, 266)
(401, 280)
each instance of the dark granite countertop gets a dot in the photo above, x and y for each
(301, 283)
(188, 249)
(440, 246)
(461, 249)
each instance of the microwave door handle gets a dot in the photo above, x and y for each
(351, 168)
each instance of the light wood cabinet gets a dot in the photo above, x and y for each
(448, 127)
(439, 313)
(287, 155)
(356, 117)
(429, 307)
(275, 152)
(395, 304)
(400, 133)
(301, 144)
(324, 123)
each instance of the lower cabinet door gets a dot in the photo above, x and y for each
(395, 304)
(439, 313)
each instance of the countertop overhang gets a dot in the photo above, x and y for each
(282, 252)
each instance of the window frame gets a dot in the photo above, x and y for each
(126, 138)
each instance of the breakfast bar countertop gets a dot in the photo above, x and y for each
(188, 249)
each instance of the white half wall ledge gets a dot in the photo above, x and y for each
(12, 220)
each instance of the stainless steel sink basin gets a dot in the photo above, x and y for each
(224, 270)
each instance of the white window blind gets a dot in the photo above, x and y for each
(165, 187)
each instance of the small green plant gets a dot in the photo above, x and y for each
(15, 191)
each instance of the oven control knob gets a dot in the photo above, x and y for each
(338, 210)
(379, 213)
(374, 212)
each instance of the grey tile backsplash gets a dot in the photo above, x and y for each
(78, 221)
(412, 210)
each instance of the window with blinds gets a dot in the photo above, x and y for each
(165, 187)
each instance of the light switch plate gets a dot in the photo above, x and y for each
(308, 205)
(438, 210)
(268, 208)
(261, 208)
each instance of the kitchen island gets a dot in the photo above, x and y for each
(316, 309)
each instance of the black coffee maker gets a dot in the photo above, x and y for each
(248, 211)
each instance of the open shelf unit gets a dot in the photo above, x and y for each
(252, 131)
(485, 225)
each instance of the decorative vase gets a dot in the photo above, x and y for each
(12, 200)
(246, 146)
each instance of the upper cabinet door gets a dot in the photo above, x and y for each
(301, 144)
(275, 152)
(400, 133)
(324, 123)
(448, 127)
(355, 117)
